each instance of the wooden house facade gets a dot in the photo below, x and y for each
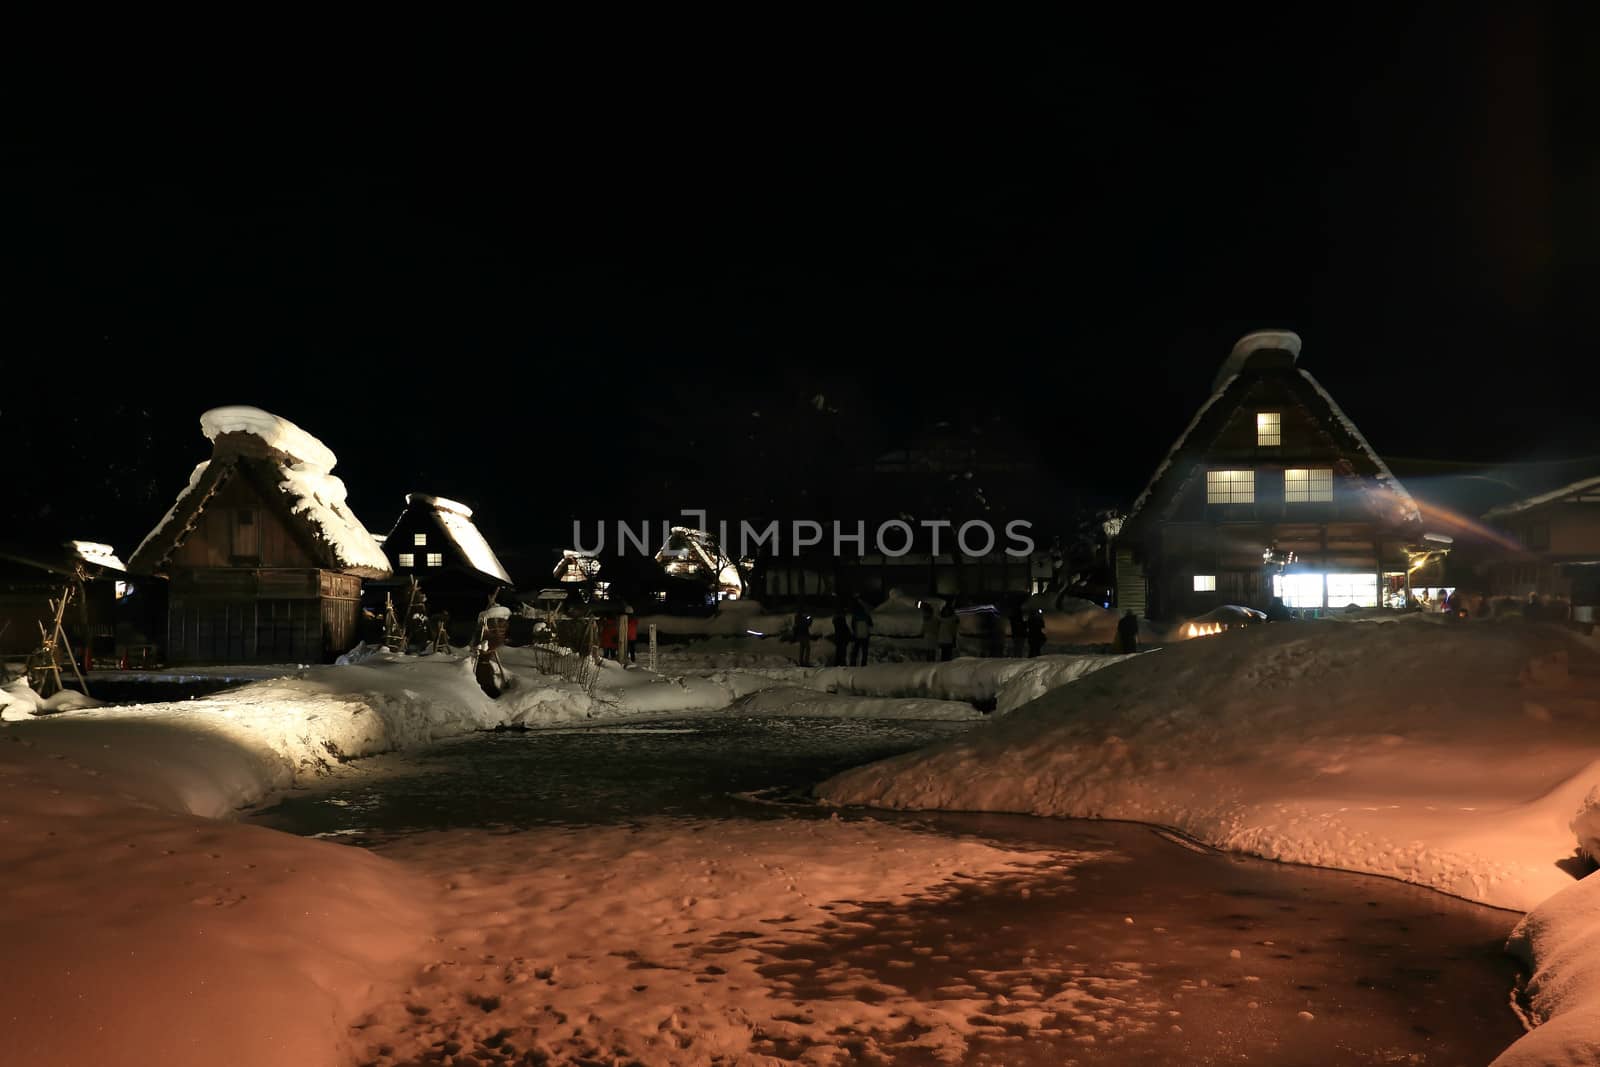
(1552, 549)
(262, 560)
(1271, 492)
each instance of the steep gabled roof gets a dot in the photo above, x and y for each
(1237, 373)
(455, 519)
(289, 468)
(1543, 498)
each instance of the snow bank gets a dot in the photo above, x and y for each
(18, 701)
(1004, 684)
(1453, 757)
(1559, 943)
(795, 701)
(136, 933)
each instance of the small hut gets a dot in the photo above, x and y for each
(262, 558)
(30, 578)
(436, 541)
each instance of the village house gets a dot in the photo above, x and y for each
(435, 541)
(1554, 549)
(1270, 491)
(261, 559)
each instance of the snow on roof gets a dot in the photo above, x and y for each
(456, 518)
(194, 480)
(1249, 345)
(1177, 447)
(304, 474)
(320, 497)
(1234, 365)
(278, 433)
(1385, 475)
(1542, 498)
(98, 554)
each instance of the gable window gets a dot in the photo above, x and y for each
(419, 539)
(407, 559)
(435, 559)
(246, 545)
(1205, 583)
(1269, 429)
(1304, 485)
(1230, 487)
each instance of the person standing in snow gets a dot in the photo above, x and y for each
(930, 632)
(949, 630)
(994, 634)
(860, 633)
(1019, 629)
(841, 635)
(1128, 632)
(1036, 632)
(802, 634)
(633, 636)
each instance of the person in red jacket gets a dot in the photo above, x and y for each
(608, 637)
(633, 637)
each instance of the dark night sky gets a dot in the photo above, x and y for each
(584, 245)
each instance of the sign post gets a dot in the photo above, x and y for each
(652, 646)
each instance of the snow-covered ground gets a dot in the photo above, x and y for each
(1454, 756)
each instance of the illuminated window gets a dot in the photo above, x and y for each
(407, 560)
(435, 559)
(1269, 428)
(1230, 487)
(1205, 583)
(1358, 589)
(1302, 485)
(419, 539)
(1299, 590)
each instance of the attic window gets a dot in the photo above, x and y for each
(435, 559)
(1303, 486)
(419, 539)
(1205, 583)
(1269, 429)
(407, 559)
(1230, 487)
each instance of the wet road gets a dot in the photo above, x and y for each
(1178, 955)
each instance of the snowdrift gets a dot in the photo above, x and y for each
(1460, 756)
(1450, 756)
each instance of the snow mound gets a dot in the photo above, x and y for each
(1449, 756)
(278, 433)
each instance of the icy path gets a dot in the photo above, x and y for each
(617, 895)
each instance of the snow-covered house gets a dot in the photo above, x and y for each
(1270, 491)
(262, 558)
(1554, 548)
(436, 541)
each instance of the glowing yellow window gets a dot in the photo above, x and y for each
(1205, 583)
(1303, 485)
(1269, 428)
(1230, 487)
